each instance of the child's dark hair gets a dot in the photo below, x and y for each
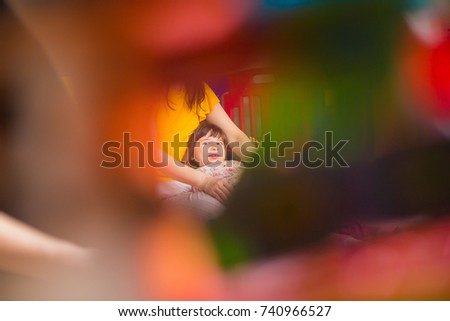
(202, 130)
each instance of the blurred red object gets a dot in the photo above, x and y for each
(245, 99)
(427, 71)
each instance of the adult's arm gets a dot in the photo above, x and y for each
(219, 117)
(27, 251)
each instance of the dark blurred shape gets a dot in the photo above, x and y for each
(277, 211)
(7, 110)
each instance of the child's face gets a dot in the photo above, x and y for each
(209, 150)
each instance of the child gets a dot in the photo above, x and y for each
(205, 152)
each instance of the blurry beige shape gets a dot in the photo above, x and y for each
(430, 24)
(52, 178)
(56, 30)
(27, 251)
(69, 87)
(83, 42)
(55, 269)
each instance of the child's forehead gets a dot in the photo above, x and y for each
(211, 137)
